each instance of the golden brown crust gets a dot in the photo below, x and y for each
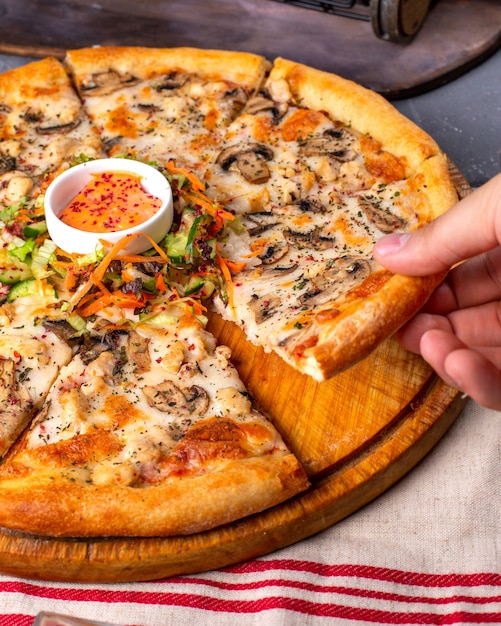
(355, 105)
(241, 67)
(27, 82)
(181, 505)
(358, 326)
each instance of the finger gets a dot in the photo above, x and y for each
(469, 228)
(409, 336)
(476, 376)
(475, 282)
(462, 368)
(478, 327)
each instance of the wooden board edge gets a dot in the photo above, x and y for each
(332, 499)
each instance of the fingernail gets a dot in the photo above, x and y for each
(391, 244)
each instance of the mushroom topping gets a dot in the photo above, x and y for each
(263, 307)
(311, 239)
(138, 352)
(330, 284)
(311, 205)
(7, 164)
(104, 83)
(247, 158)
(61, 328)
(335, 142)
(169, 398)
(383, 219)
(263, 102)
(273, 252)
(173, 80)
(238, 97)
(41, 129)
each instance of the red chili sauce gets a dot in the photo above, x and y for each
(111, 201)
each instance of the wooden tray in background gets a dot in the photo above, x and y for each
(456, 35)
(356, 435)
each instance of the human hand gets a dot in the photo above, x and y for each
(458, 332)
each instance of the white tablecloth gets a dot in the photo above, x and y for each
(428, 551)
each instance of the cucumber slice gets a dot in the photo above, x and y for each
(30, 287)
(12, 269)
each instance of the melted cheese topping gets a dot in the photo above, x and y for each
(311, 225)
(119, 418)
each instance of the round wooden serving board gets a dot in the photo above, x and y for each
(356, 435)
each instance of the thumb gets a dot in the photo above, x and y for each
(469, 228)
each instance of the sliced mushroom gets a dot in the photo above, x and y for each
(277, 271)
(335, 142)
(169, 398)
(273, 252)
(138, 352)
(263, 102)
(238, 97)
(93, 347)
(383, 219)
(335, 281)
(311, 239)
(7, 164)
(311, 205)
(61, 328)
(249, 159)
(263, 307)
(104, 83)
(53, 129)
(173, 80)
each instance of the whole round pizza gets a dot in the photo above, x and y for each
(121, 415)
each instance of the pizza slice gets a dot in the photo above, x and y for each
(317, 169)
(42, 131)
(147, 431)
(32, 350)
(159, 104)
(43, 127)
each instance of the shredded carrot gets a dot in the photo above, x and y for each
(236, 266)
(160, 285)
(118, 247)
(196, 183)
(227, 276)
(117, 298)
(257, 248)
(213, 208)
(96, 277)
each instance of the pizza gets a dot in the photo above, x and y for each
(121, 414)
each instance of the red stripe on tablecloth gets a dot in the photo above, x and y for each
(338, 589)
(14, 619)
(309, 608)
(164, 594)
(366, 571)
(156, 597)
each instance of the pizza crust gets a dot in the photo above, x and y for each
(179, 506)
(243, 68)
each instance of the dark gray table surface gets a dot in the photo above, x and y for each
(463, 116)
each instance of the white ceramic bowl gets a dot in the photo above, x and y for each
(68, 184)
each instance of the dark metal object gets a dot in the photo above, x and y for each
(392, 20)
